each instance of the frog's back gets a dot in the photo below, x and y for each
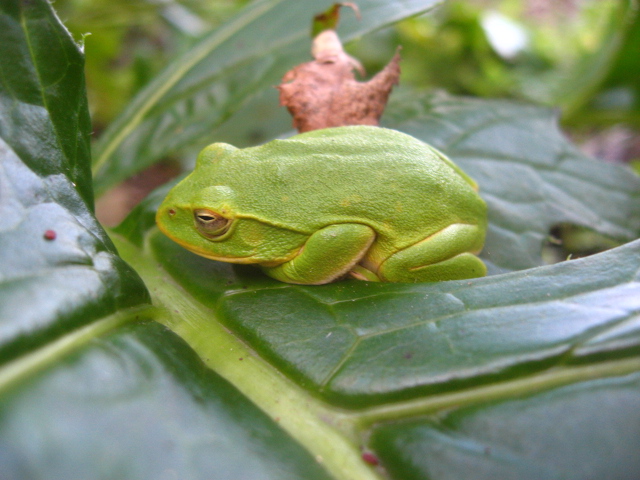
(390, 181)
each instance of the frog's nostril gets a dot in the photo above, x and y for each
(171, 212)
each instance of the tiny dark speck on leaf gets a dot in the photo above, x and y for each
(240, 359)
(370, 458)
(50, 235)
(408, 355)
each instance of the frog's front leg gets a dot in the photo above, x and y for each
(327, 254)
(445, 255)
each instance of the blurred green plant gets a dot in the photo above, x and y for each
(131, 40)
(568, 55)
(579, 57)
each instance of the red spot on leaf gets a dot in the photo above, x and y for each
(370, 458)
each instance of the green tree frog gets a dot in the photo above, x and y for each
(360, 201)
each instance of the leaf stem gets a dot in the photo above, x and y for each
(335, 437)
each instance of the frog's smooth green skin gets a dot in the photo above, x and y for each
(368, 202)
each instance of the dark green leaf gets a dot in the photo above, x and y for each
(139, 404)
(58, 268)
(587, 430)
(393, 353)
(222, 72)
(361, 344)
(45, 119)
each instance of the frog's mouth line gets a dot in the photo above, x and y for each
(204, 253)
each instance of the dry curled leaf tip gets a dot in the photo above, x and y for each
(324, 93)
(328, 20)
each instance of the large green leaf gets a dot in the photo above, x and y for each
(219, 74)
(45, 119)
(138, 404)
(360, 345)
(58, 269)
(530, 373)
(585, 430)
(385, 356)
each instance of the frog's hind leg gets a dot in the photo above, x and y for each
(445, 255)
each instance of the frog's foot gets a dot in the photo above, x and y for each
(445, 255)
(360, 273)
(327, 254)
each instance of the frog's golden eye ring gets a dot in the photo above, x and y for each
(210, 224)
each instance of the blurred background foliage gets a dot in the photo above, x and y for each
(580, 57)
(127, 42)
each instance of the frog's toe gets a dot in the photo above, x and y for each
(361, 273)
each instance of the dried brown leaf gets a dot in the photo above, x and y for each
(325, 93)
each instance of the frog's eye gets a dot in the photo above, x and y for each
(210, 224)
